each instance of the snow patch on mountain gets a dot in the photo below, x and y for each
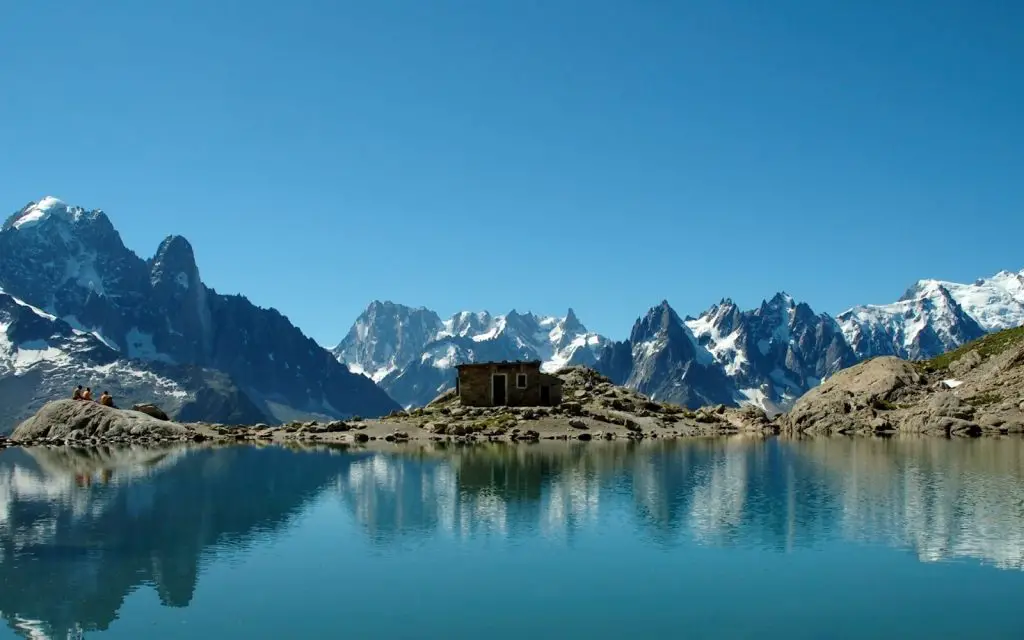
(76, 324)
(377, 375)
(723, 348)
(33, 352)
(559, 358)
(140, 346)
(42, 210)
(441, 356)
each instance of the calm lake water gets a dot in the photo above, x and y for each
(731, 538)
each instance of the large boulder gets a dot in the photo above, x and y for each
(151, 410)
(850, 400)
(77, 419)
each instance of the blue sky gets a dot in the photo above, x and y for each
(530, 155)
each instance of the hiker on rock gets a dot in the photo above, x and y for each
(106, 399)
(87, 394)
(77, 395)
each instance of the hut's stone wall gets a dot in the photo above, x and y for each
(516, 384)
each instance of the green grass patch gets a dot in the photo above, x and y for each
(883, 405)
(983, 399)
(987, 346)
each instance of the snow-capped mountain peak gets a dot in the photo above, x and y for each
(386, 337)
(49, 210)
(995, 303)
(933, 316)
(73, 265)
(37, 212)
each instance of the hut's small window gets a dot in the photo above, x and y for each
(520, 381)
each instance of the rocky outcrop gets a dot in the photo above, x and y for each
(976, 390)
(591, 403)
(151, 410)
(78, 420)
(849, 401)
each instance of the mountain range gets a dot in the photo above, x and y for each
(768, 356)
(78, 307)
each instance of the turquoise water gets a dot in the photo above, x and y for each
(730, 538)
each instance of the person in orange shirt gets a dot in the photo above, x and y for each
(87, 394)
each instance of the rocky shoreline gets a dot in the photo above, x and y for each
(594, 409)
(977, 390)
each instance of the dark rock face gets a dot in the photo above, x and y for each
(790, 348)
(616, 361)
(177, 288)
(662, 360)
(72, 263)
(770, 355)
(262, 350)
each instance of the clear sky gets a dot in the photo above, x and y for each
(530, 154)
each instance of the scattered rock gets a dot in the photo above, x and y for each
(572, 408)
(151, 410)
(961, 366)
(949, 405)
(438, 428)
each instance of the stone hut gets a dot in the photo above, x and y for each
(514, 384)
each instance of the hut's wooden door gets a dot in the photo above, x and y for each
(498, 390)
(545, 395)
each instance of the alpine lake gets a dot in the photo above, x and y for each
(740, 537)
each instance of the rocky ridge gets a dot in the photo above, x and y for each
(975, 390)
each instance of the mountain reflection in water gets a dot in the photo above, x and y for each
(82, 529)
